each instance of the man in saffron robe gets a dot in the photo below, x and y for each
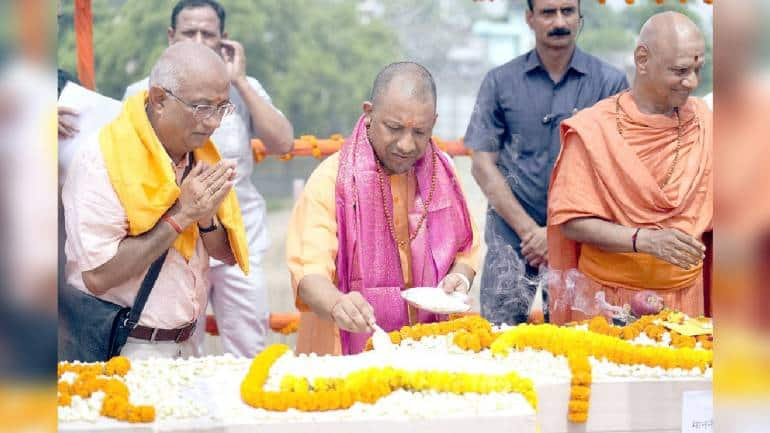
(631, 193)
(383, 214)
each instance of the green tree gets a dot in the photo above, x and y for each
(604, 31)
(316, 59)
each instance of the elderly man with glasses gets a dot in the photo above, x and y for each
(239, 302)
(151, 183)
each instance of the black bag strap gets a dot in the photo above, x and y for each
(144, 290)
(152, 274)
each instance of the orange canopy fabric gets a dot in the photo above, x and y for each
(84, 43)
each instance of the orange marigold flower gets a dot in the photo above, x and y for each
(578, 406)
(580, 392)
(598, 324)
(577, 417)
(133, 415)
(118, 365)
(629, 333)
(654, 331)
(684, 341)
(116, 388)
(581, 379)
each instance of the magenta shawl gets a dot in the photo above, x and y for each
(365, 239)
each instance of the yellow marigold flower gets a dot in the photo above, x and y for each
(116, 388)
(395, 337)
(577, 417)
(146, 413)
(64, 399)
(473, 343)
(579, 362)
(629, 333)
(580, 392)
(598, 324)
(654, 331)
(121, 410)
(578, 406)
(685, 341)
(581, 379)
(133, 415)
(118, 365)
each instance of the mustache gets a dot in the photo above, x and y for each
(560, 31)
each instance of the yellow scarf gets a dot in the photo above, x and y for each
(141, 173)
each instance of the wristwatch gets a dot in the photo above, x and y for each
(210, 228)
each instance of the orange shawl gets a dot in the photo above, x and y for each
(600, 173)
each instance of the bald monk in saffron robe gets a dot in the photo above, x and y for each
(631, 193)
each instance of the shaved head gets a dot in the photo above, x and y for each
(409, 78)
(186, 64)
(667, 30)
(669, 55)
(400, 115)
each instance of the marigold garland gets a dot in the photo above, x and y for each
(580, 387)
(577, 345)
(102, 376)
(310, 145)
(475, 325)
(475, 340)
(648, 325)
(365, 386)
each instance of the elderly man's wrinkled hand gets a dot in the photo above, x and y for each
(67, 118)
(204, 189)
(672, 246)
(353, 313)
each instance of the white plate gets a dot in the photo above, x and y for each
(435, 300)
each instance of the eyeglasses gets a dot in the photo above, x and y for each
(203, 112)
